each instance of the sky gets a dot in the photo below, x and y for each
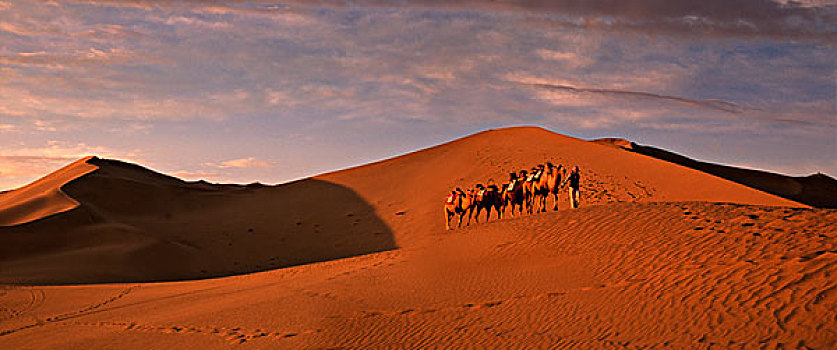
(246, 91)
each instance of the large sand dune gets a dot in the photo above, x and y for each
(659, 255)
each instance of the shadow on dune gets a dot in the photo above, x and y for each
(135, 225)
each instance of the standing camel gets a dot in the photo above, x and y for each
(487, 198)
(458, 203)
(529, 193)
(541, 188)
(451, 205)
(513, 194)
(553, 182)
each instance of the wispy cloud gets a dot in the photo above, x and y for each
(249, 162)
(89, 56)
(195, 175)
(718, 105)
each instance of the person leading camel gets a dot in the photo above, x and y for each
(574, 179)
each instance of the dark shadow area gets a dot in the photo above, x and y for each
(135, 225)
(818, 190)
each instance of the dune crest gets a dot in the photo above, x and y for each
(44, 197)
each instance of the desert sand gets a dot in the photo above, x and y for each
(105, 254)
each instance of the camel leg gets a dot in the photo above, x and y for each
(470, 214)
(477, 215)
(529, 204)
(447, 220)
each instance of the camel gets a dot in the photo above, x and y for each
(530, 188)
(451, 206)
(513, 193)
(487, 198)
(467, 206)
(458, 203)
(553, 183)
(540, 188)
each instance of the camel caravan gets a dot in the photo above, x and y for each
(525, 191)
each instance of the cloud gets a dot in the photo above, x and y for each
(743, 18)
(91, 56)
(249, 162)
(195, 175)
(393, 70)
(122, 105)
(717, 105)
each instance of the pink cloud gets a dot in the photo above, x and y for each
(249, 162)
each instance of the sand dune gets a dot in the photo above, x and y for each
(129, 223)
(42, 198)
(818, 190)
(659, 255)
(133, 224)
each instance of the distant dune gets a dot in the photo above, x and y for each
(659, 255)
(132, 224)
(817, 190)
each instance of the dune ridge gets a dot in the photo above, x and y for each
(44, 197)
(818, 190)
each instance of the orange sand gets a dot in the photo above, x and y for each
(657, 256)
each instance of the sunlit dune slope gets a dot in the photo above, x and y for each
(418, 182)
(42, 198)
(132, 224)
